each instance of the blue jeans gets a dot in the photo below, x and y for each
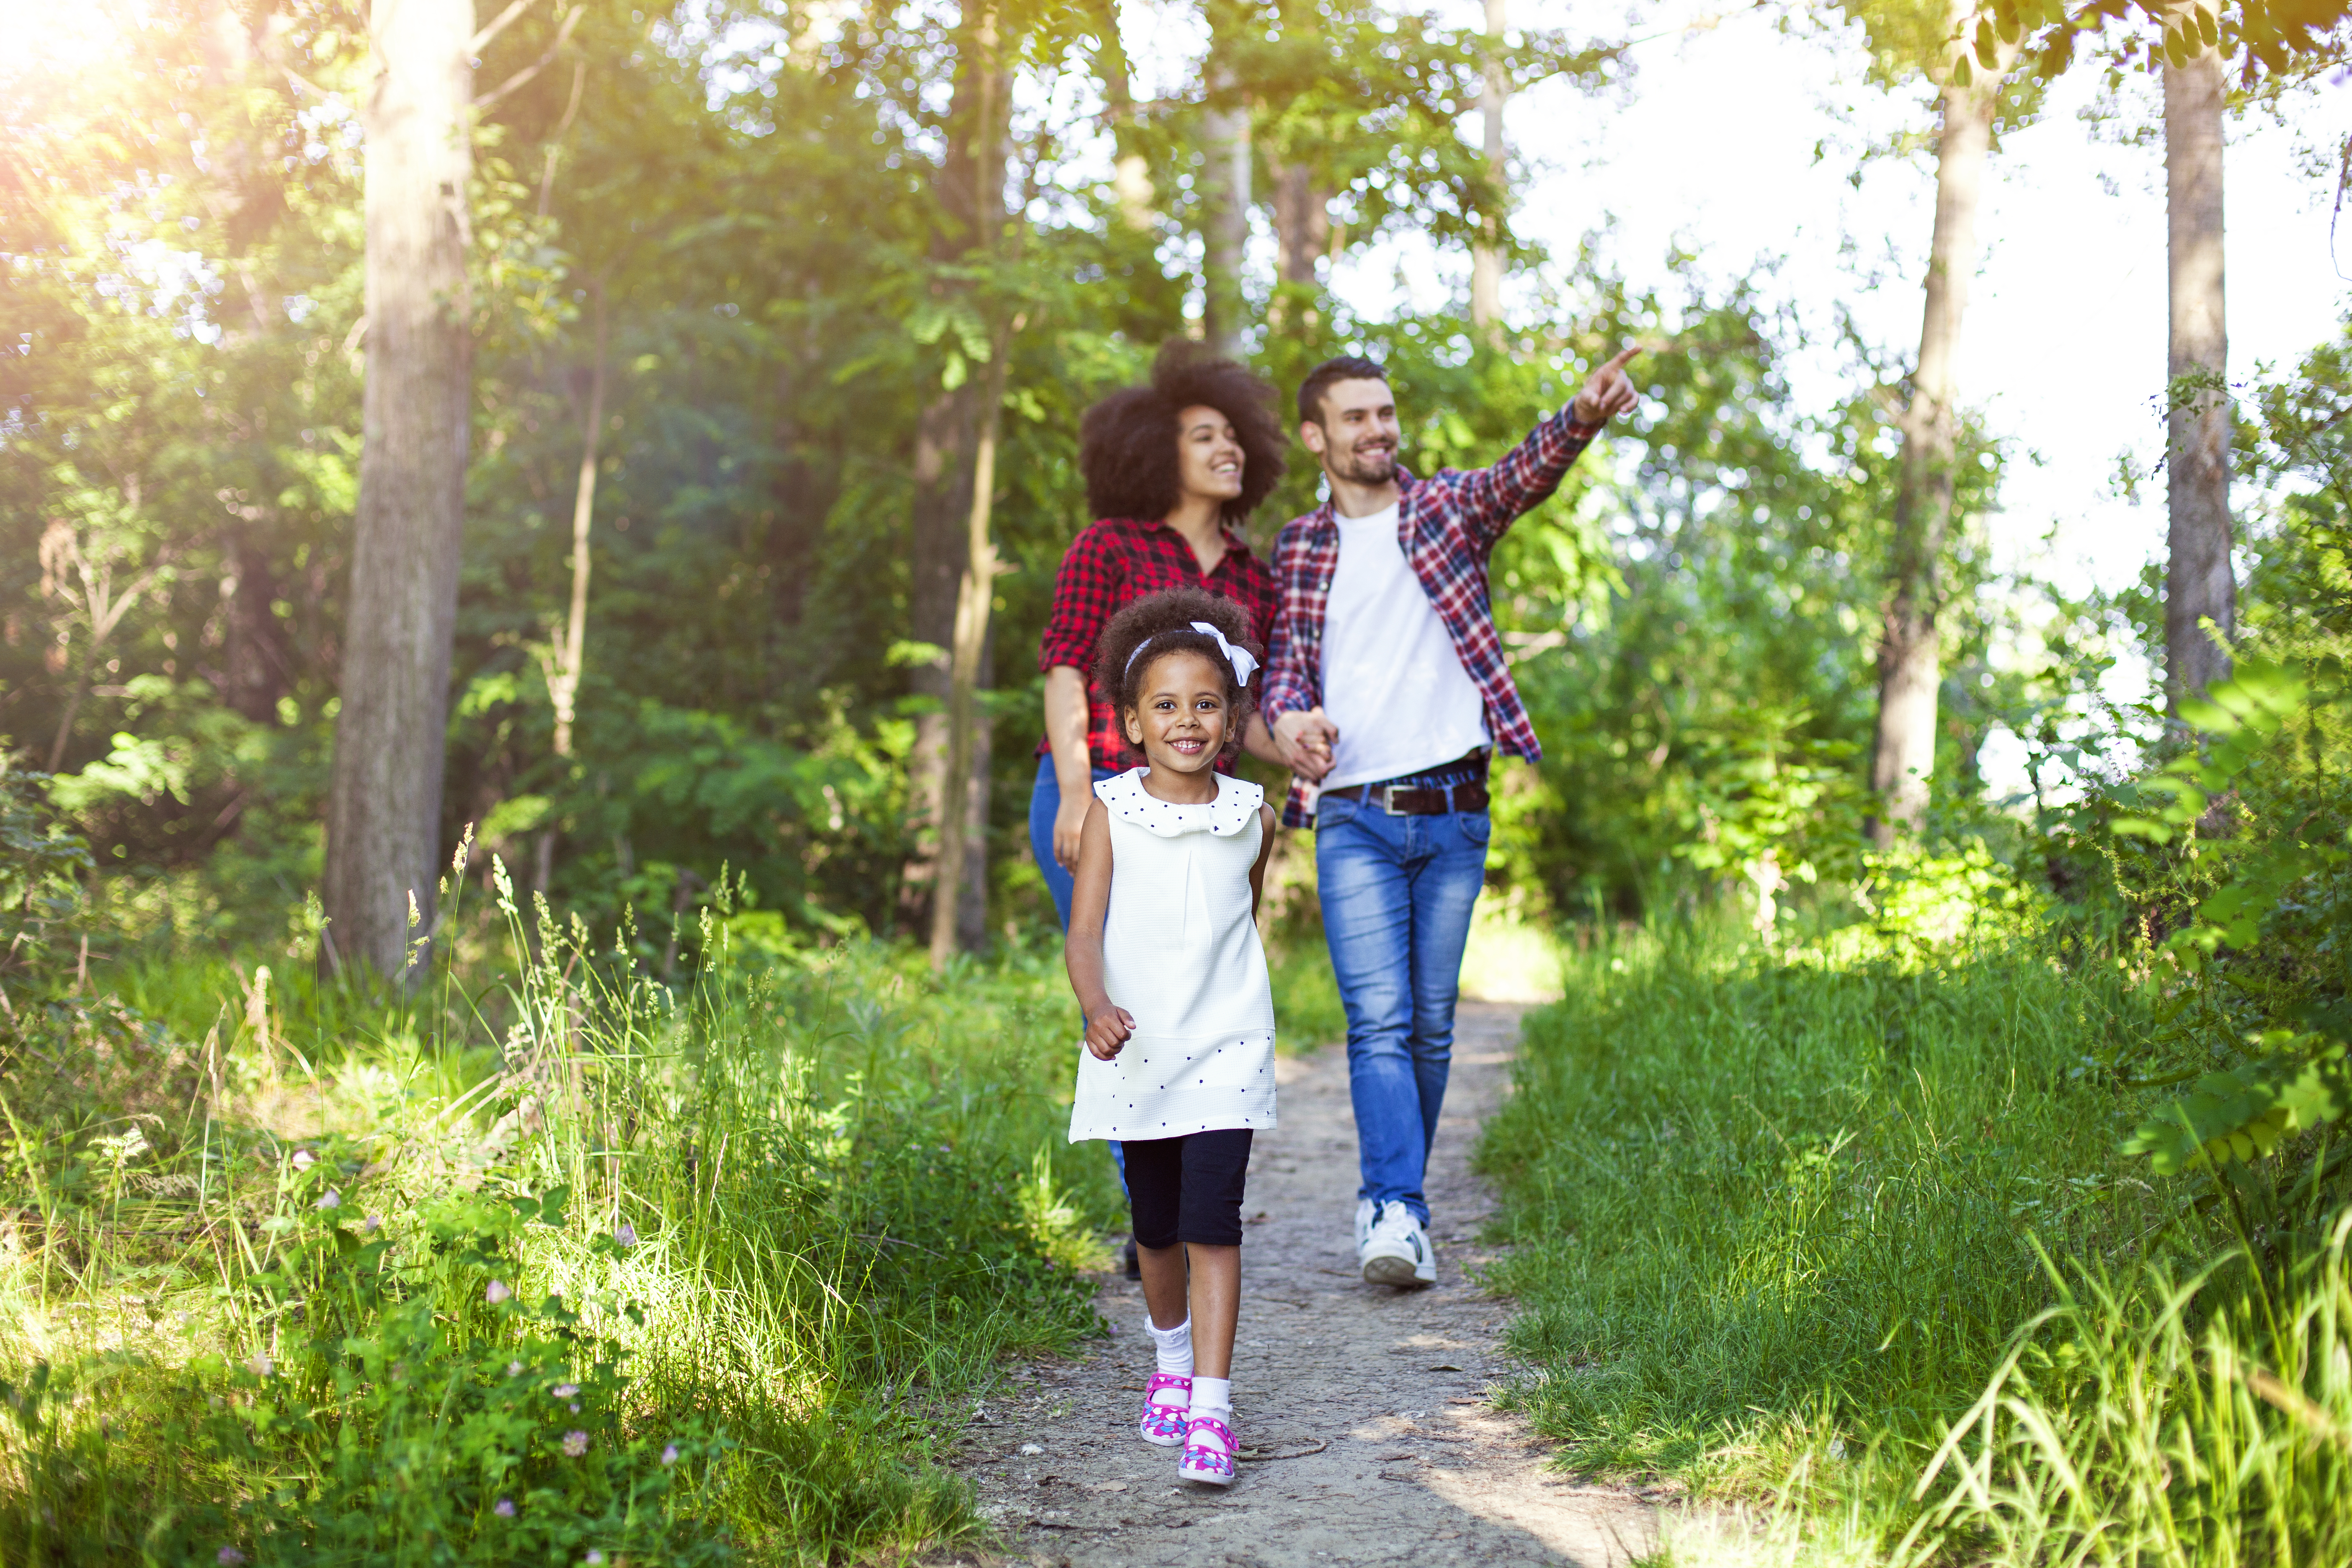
(1397, 893)
(1044, 803)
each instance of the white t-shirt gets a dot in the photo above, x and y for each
(1391, 681)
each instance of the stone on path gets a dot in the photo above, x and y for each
(1365, 1407)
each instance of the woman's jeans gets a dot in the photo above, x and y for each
(1044, 803)
(1397, 893)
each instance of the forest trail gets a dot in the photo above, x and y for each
(1366, 1404)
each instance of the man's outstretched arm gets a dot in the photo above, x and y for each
(1492, 499)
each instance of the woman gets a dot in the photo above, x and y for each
(1171, 470)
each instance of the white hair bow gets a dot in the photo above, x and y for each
(1244, 662)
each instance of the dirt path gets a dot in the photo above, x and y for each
(1365, 1403)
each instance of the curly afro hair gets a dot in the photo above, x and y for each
(1127, 442)
(1164, 621)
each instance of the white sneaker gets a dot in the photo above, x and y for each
(1368, 1214)
(1396, 1251)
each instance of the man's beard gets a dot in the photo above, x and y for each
(1376, 467)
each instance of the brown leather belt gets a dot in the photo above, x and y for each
(1428, 800)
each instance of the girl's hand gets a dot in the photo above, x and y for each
(1109, 1030)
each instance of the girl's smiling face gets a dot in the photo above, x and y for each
(1180, 716)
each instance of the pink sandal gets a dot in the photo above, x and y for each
(1162, 1422)
(1209, 1450)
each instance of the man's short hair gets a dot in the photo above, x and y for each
(1347, 367)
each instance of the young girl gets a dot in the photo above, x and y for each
(1163, 954)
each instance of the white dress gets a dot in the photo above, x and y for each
(1181, 953)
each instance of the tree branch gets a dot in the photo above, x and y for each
(521, 78)
(480, 41)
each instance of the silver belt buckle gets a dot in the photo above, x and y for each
(1387, 800)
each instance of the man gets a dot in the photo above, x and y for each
(1387, 687)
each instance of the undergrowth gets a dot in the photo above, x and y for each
(568, 1266)
(1862, 1242)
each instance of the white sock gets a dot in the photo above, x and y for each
(1174, 1346)
(1213, 1396)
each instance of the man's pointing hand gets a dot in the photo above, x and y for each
(1608, 391)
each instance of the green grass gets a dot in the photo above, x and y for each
(1855, 1241)
(794, 1219)
(1759, 1204)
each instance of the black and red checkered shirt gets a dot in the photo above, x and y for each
(1108, 566)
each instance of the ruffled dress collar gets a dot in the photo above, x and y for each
(1237, 801)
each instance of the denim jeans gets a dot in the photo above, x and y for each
(1044, 803)
(1397, 893)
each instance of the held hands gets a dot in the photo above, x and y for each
(1108, 1028)
(1304, 739)
(1608, 391)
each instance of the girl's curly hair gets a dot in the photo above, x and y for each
(1127, 442)
(1164, 621)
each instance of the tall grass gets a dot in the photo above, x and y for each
(775, 1229)
(1759, 1204)
(1857, 1240)
(2156, 1421)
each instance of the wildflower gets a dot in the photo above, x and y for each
(504, 1507)
(304, 1159)
(575, 1443)
(228, 1557)
(670, 1454)
(514, 1369)
(593, 1556)
(333, 1200)
(261, 1364)
(374, 1223)
(565, 1390)
(625, 1234)
(496, 1292)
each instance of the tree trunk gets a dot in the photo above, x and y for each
(1225, 200)
(570, 654)
(384, 814)
(1131, 180)
(1910, 646)
(972, 213)
(973, 598)
(257, 656)
(1486, 257)
(1302, 222)
(2198, 586)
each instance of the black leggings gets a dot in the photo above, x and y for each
(1188, 1188)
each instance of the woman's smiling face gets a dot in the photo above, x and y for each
(1208, 454)
(1180, 715)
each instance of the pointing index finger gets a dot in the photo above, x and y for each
(1623, 357)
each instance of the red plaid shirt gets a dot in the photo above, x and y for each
(1108, 566)
(1447, 524)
